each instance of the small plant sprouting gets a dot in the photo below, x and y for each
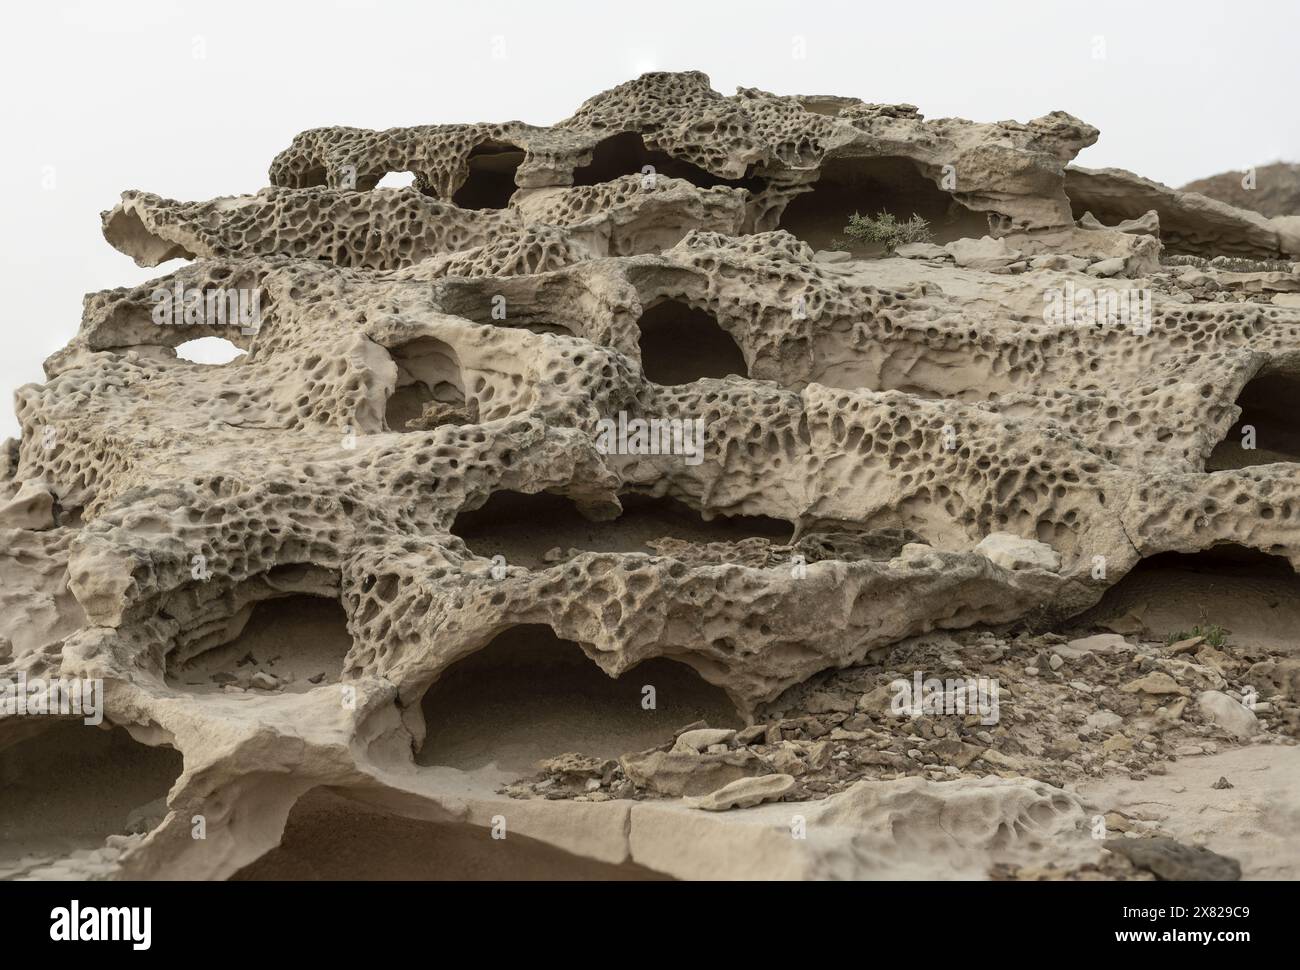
(886, 229)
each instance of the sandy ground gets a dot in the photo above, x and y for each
(72, 785)
(1255, 821)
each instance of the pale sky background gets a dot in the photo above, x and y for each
(105, 96)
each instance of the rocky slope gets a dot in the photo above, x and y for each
(1270, 190)
(577, 512)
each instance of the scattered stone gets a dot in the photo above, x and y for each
(31, 508)
(1013, 552)
(921, 251)
(787, 760)
(1228, 714)
(1107, 267)
(1185, 646)
(693, 726)
(832, 256)
(986, 253)
(1001, 760)
(1172, 861)
(953, 752)
(1103, 721)
(1117, 743)
(821, 702)
(1059, 261)
(876, 701)
(1117, 822)
(1101, 643)
(574, 767)
(701, 738)
(146, 818)
(744, 793)
(1157, 682)
(680, 773)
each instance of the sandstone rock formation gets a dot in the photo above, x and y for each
(576, 510)
(1271, 190)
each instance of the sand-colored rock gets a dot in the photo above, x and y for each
(401, 565)
(744, 793)
(1228, 714)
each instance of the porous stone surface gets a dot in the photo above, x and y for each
(333, 573)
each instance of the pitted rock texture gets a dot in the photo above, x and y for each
(399, 504)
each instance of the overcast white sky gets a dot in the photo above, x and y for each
(105, 96)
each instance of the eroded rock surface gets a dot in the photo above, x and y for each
(582, 478)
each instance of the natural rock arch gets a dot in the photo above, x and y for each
(626, 154)
(530, 695)
(329, 835)
(869, 186)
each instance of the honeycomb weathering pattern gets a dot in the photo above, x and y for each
(909, 398)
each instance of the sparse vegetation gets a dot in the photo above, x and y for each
(886, 229)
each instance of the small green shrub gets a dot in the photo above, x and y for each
(886, 229)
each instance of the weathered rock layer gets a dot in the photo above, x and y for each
(271, 562)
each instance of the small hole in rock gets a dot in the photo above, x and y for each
(491, 180)
(430, 387)
(1269, 422)
(680, 344)
(208, 350)
(626, 154)
(396, 180)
